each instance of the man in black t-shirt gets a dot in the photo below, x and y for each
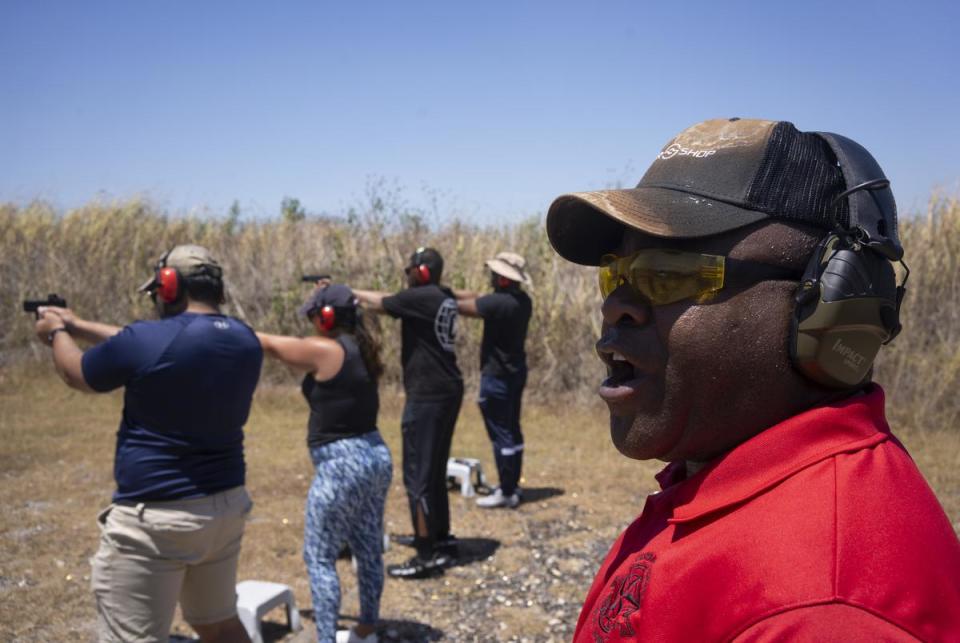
(434, 389)
(503, 366)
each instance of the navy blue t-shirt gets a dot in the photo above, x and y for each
(189, 382)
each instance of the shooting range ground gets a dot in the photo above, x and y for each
(56, 452)
(56, 445)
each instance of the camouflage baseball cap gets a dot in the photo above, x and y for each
(189, 260)
(715, 176)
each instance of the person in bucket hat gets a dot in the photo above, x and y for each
(503, 366)
(748, 283)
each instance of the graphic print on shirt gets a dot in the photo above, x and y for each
(445, 324)
(623, 599)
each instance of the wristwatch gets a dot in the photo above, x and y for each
(53, 334)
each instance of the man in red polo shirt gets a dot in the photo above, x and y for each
(748, 284)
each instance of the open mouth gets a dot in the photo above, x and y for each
(619, 370)
(623, 377)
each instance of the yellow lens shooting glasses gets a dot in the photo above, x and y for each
(665, 276)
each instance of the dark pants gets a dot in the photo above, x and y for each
(427, 428)
(500, 398)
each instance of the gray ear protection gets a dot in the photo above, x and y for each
(848, 302)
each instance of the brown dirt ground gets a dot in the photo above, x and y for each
(56, 450)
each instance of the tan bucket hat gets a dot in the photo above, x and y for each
(510, 265)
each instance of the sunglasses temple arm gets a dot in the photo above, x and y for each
(739, 272)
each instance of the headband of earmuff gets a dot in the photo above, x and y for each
(873, 210)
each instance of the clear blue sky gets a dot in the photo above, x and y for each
(493, 108)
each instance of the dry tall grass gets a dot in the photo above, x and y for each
(921, 368)
(97, 254)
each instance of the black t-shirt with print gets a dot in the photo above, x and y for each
(429, 326)
(506, 315)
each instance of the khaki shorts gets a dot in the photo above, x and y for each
(153, 554)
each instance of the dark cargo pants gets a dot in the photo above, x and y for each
(427, 429)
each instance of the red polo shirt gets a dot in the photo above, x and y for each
(819, 528)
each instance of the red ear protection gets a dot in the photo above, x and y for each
(328, 318)
(423, 273)
(503, 282)
(169, 285)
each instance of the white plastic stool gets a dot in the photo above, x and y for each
(257, 597)
(461, 470)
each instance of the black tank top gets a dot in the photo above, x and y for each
(344, 406)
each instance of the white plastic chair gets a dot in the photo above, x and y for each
(463, 471)
(257, 597)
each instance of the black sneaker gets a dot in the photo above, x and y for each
(448, 542)
(418, 567)
(449, 545)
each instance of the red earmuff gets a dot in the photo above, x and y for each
(328, 318)
(423, 273)
(168, 289)
(503, 282)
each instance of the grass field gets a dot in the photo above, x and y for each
(56, 451)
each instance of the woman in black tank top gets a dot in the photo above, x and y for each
(353, 466)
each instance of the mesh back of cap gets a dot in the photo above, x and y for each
(799, 179)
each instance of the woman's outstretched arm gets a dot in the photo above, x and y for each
(321, 356)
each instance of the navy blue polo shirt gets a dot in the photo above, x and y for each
(189, 382)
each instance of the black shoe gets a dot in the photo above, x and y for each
(448, 542)
(418, 567)
(449, 545)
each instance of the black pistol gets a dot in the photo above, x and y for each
(312, 279)
(31, 305)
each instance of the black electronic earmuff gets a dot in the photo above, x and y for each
(848, 303)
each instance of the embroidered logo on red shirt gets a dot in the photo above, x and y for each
(623, 599)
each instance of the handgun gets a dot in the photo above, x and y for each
(312, 279)
(31, 305)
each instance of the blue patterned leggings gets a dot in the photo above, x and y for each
(345, 506)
